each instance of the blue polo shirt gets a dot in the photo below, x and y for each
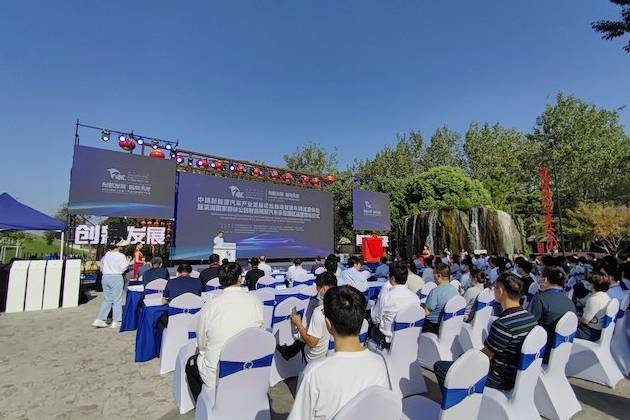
(437, 300)
(180, 285)
(382, 271)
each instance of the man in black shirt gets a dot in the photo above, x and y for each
(550, 304)
(524, 268)
(155, 272)
(252, 276)
(212, 271)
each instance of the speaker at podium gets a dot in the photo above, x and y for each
(226, 250)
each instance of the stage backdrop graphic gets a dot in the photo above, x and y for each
(108, 183)
(262, 218)
(370, 210)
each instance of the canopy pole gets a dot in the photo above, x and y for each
(61, 246)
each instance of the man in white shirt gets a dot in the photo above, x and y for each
(262, 264)
(313, 341)
(113, 264)
(218, 240)
(353, 277)
(592, 321)
(493, 270)
(328, 384)
(389, 303)
(221, 318)
(296, 271)
(414, 281)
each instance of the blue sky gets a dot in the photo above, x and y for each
(256, 79)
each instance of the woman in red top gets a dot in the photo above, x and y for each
(138, 260)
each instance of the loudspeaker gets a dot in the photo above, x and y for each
(116, 232)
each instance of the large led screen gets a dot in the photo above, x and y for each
(108, 183)
(370, 210)
(262, 218)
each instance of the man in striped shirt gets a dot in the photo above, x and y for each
(506, 336)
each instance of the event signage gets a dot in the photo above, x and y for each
(97, 234)
(262, 218)
(108, 183)
(370, 211)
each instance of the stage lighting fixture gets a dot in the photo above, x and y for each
(168, 146)
(179, 159)
(140, 140)
(173, 154)
(232, 167)
(155, 145)
(105, 135)
(122, 137)
(190, 161)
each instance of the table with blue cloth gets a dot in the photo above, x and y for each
(148, 338)
(131, 312)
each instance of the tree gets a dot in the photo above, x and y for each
(444, 188)
(589, 149)
(445, 149)
(401, 161)
(611, 29)
(62, 214)
(607, 224)
(312, 158)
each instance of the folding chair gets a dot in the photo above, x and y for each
(179, 387)
(426, 289)
(620, 343)
(443, 346)
(474, 333)
(153, 292)
(373, 403)
(283, 332)
(180, 312)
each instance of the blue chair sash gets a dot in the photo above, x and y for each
(271, 302)
(301, 296)
(210, 288)
(134, 283)
(278, 319)
(331, 344)
(526, 360)
(227, 368)
(404, 325)
(606, 321)
(192, 335)
(272, 285)
(152, 291)
(453, 396)
(177, 311)
(449, 315)
(561, 339)
(620, 314)
(423, 296)
(480, 305)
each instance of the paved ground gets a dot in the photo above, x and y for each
(54, 365)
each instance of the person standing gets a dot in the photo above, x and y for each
(218, 240)
(138, 261)
(113, 264)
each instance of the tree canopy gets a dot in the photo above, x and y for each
(611, 29)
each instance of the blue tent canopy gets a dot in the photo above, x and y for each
(17, 216)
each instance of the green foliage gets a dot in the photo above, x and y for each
(605, 223)
(611, 29)
(445, 149)
(312, 158)
(445, 188)
(401, 161)
(341, 190)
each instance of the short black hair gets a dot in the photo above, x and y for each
(443, 270)
(184, 268)
(297, 261)
(383, 259)
(353, 261)
(525, 265)
(513, 285)
(330, 265)
(224, 261)
(214, 258)
(254, 261)
(548, 260)
(412, 267)
(554, 275)
(326, 279)
(344, 306)
(600, 281)
(229, 274)
(399, 272)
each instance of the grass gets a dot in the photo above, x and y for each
(35, 246)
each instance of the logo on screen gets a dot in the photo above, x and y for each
(115, 174)
(368, 205)
(236, 193)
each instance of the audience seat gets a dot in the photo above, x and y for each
(153, 292)
(179, 386)
(180, 312)
(443, 346)
(474, 333)
(620, 342)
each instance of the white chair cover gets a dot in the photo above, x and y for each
(179, 388)
(181, 311)
(284, 334)
(531, 292)
(554, 396)
(373, 403)
(593, 361)
(473, 334)
(362, 338)
(458, 286)
(462, 394)
(518, 404)
(620, 343)
(268, 281)
(267, 296)
(242, 379)
(401, 358)
(195, 274)
(153, 292)
(443, 346)
(426, 289)
(213, 284)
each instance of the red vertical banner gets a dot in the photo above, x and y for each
(547, 203)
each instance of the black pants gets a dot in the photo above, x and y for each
(162, 322)
(378, 337)
(193, 377)
(587, 333)
(293, 349)
(440, 369)
(430, 327)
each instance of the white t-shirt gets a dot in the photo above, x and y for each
(389, 304)
(218, 241)
(354, 278)
(328, 384)
(265, 267)
(319, 270)
(595, 309)
(114, 262)
(414, 282)
(296, 272)
(317, 328)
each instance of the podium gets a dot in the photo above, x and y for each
(227, 250)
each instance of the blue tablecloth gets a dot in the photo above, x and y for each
(148, 338)
(131, 313)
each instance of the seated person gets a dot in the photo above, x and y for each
(427, 272)
(228, 314)
(328, 384)
(550, 304)
(414, 281)
(353, 276)
(212, 271)
(382, 270)
(478, 283)
(264, 266)
(155, 272)
(437, 298)
(505, 338)
(181, 284)
(524, 269)
(296, 271)
(319, 263)
(390, 302)
(252, 276)
(591, 323)
(313, 341)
